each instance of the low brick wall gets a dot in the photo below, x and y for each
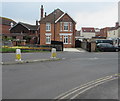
(89, 46)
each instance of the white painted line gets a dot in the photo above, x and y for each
(103, 79)
(90, 88)
(84, 87)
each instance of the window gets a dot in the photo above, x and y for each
(65, 39)
(48, 27)
(65, 26)
(33, 31)
(14, 37)
(48, 39)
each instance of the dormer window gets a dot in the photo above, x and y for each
(48, 27)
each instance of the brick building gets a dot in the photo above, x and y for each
(57, 26)
(23, 31)
(87, 32)
(104, 32)
(5, 25)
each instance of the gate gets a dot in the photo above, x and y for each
(77, 44)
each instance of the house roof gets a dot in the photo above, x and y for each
(56, 15)
(6, 21)
(28, 26)
(50, 17)
(114, 28)
(88, 29)
(31, 27)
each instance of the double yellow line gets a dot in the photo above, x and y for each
(75, 92)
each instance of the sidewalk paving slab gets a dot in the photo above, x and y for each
(73, 50)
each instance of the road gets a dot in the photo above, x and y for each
(47, 80)
(107, 90)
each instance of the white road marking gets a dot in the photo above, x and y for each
(86, 87)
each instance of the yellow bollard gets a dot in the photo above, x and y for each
(18, 55)
(53, 53)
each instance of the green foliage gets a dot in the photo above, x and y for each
(7, 38)
(97, 50)
(13, 50)
(7, 50)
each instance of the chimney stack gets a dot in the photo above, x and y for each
(45, 14)
(37, 22)
(117, 24)
(41, 11)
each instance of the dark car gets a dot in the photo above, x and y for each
(104, 41)
(106, 47)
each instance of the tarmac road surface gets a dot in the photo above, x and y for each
(47, 80)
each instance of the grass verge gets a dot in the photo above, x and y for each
(13, 50)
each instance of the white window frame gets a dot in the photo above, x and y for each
(48, 38)
(48, 27)
(65, 41)
(67, 25)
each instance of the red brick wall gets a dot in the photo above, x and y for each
(42, 34)
(57, 31)
(5, 29)
(103, 32)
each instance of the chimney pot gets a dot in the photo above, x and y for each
(36, 22)
(42, 11)
(117, 24)
(45, 14)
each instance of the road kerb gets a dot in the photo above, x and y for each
(29, 61)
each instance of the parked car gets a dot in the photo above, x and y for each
(106, 47)
(104, 41)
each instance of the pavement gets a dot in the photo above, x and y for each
(73, 50)
(9, 58)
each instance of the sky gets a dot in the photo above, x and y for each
(86, 14)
